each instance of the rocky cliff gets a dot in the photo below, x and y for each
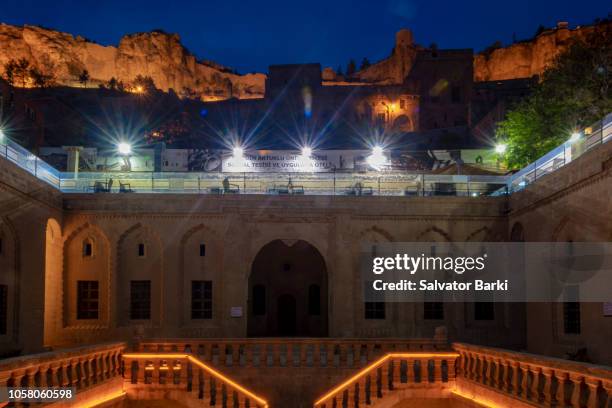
(156, 54)
(527, 58)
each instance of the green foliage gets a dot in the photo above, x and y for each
(573, 93)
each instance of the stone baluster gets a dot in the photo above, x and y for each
(362, 390)
(516, 386)
(395, 374)
(451, 369)
(593, 384)
(183, 378)
(18, 378)
(236, 354)
(44, 371)
(384, 380)
(506, 382)
(547, 396)
(64, 372)
(219, 388)
(87, 374)
(576, 390)
(410, 371)
(535, 384)
(524, 381)
(30, 378)
(248, 350)
(607, 386)
(229, 393)
(437, 377)
(74, 380)
(471, 366)
(156, 372)
(423, 366)
(54, 379)
(490, 374)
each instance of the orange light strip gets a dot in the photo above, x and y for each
(377, 364)
(205, 367)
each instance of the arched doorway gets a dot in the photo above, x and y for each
(288, 291)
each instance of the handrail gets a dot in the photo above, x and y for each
(157, 361)
(397, 370)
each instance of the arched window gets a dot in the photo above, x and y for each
(314, 300)
(259, 300)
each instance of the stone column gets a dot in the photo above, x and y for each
(73, 159)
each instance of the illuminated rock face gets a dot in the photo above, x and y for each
(156, 54)
(529, 58)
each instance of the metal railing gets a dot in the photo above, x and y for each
(326, 183)
(598, 133)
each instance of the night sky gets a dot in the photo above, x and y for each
(250, 35)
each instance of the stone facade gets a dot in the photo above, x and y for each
(572, 203)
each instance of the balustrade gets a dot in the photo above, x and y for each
(537, 380)
(394, 371)
(165, 371)
(320, 353)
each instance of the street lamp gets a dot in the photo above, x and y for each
(501, 148)
(575, 137)
(237, 151)
(125, 149)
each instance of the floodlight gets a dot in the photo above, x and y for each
(306, 151)
(124, 148)
(575, 137)
(237, 151)
(501, 148)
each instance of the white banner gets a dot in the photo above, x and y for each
(288, 161)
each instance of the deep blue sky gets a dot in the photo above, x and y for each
(250, 35)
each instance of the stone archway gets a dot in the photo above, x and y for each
(288, 291)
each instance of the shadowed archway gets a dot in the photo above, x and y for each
(288, 291)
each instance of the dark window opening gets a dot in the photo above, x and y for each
(484, 311)
(201, 300)
(259, 300)
(314, 300)
(141, 250)
(571, 308)
(3, 308)
(87, 300)
(433, 310)
(140, 300)
(87, 249)
(286, 267)
(375, 310)
(202, 249)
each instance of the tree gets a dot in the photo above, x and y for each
(143, 84)
(10, 69)
(84, 77)
(39, 79)
(351, 67)
(365, 63)
(22, 71)
(112, 84)
(575, 92)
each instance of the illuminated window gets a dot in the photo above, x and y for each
(3, 308)
(140, 300)
(87, 300)
(314, 300)
(259, 300)
(375, 310)
(201, 299)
